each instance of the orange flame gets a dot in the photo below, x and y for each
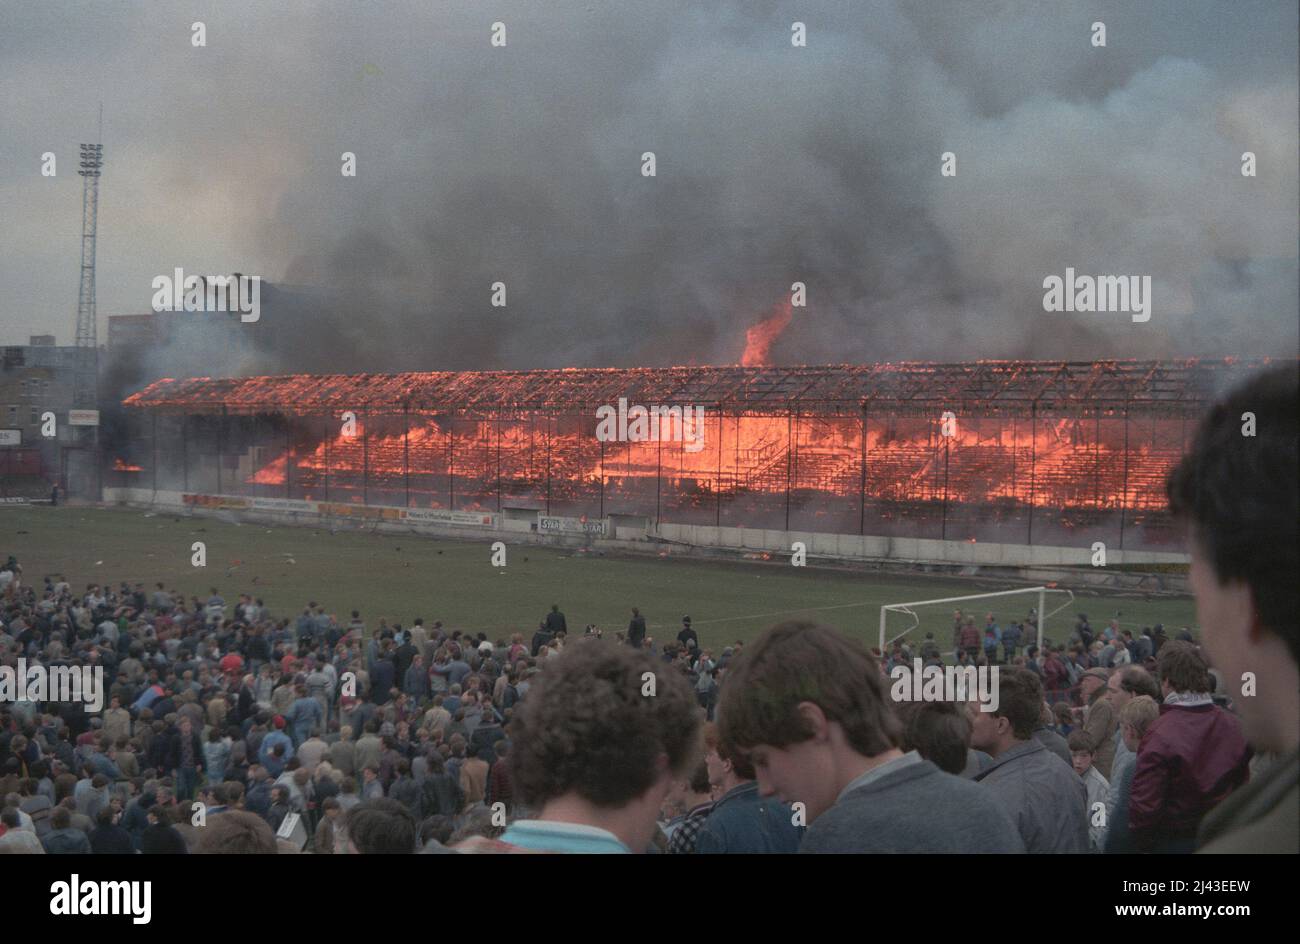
(120, 466)
(760, 338)
(1053, 464)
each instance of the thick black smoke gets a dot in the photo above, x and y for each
(775, 164)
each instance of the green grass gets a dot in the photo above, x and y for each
(404, 576)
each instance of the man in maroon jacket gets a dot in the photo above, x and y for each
(1056, 678)
(1190, 759)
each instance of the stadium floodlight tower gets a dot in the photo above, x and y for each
(86, 383)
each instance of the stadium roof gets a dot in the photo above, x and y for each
(1180, 387)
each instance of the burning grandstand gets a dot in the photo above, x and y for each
(1024, 453)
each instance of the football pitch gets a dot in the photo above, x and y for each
(401, 577)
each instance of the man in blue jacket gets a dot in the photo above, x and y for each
(63, 839)
(274, 737)
(741, 820)
(305, 715)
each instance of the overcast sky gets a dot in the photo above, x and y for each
(774, 164)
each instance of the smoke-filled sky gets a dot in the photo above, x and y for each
(522, 164)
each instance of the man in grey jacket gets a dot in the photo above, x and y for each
(1044, 797)
(810, 710)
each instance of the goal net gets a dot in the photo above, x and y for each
(1027, 605)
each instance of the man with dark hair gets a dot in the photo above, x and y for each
(594, 750)
(440, 793)
(555, 622)
(160, 836)
(635, 629)
(810, 709)
(373, 787)
(403, 656)
(688, 637)
(742, 820)
(323, 841)
(940, 732)
(1236, 493)
(1191, 758)
(63, 838)
(1045, 799)
(280, 808)
(692, 797)
(383, 675)
(380, 827)
(185, 758)
(236, 832)
(404, 789)
(108, 838)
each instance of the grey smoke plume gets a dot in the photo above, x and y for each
(774, 165)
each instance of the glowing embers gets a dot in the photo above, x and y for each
(999, 462)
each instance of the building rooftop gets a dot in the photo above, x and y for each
(1176, 386)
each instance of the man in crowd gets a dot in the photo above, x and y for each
(380, 827)
(969, 638)
(1123, 686)
(1044, 798)
(1135, 719)
(809, 709)
(691, 800)
(1236, 494)
(636, 629)
(741, 819)
(594, 756)
(63, 838)
(236, 833)
(1100, 723)
(1190, 760)
(185, 759)
(555, 622)
(688, 637)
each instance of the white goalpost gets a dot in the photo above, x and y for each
(908, 608)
